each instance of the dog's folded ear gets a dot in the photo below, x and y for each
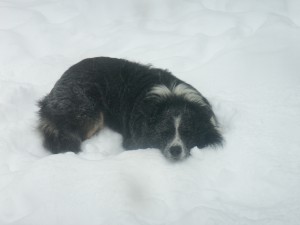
(211, 137)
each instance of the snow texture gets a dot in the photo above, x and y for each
(243, 55)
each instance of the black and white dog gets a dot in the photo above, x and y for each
(148, 106)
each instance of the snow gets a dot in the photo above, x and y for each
(243, 55)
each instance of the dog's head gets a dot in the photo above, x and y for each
(176, 120)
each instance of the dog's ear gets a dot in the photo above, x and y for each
(211, 137)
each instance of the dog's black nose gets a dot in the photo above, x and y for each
(175, 151)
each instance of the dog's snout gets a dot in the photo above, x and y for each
(175, 151)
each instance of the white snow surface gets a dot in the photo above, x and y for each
(243, 55)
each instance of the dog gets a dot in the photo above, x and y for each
(148, 106)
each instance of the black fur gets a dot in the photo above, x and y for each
(119, 94)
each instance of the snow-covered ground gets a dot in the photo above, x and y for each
(243, 55)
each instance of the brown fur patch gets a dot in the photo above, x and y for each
(94, 127)
(47, 127)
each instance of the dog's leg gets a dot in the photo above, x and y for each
(56, 140)
(93, 126)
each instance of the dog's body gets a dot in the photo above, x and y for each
(149, 107)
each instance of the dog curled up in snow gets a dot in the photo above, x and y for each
(148, 106)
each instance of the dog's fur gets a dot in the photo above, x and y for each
(148, 106)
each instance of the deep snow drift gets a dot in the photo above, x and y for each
(243, 55)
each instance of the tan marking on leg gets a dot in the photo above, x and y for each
(95, 127)
(48, 127)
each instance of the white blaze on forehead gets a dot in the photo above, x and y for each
(182, 90)
(177, 140)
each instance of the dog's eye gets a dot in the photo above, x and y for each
(186, 129)
(167, 133)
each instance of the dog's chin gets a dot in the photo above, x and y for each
(176, 159)
(171, 158)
